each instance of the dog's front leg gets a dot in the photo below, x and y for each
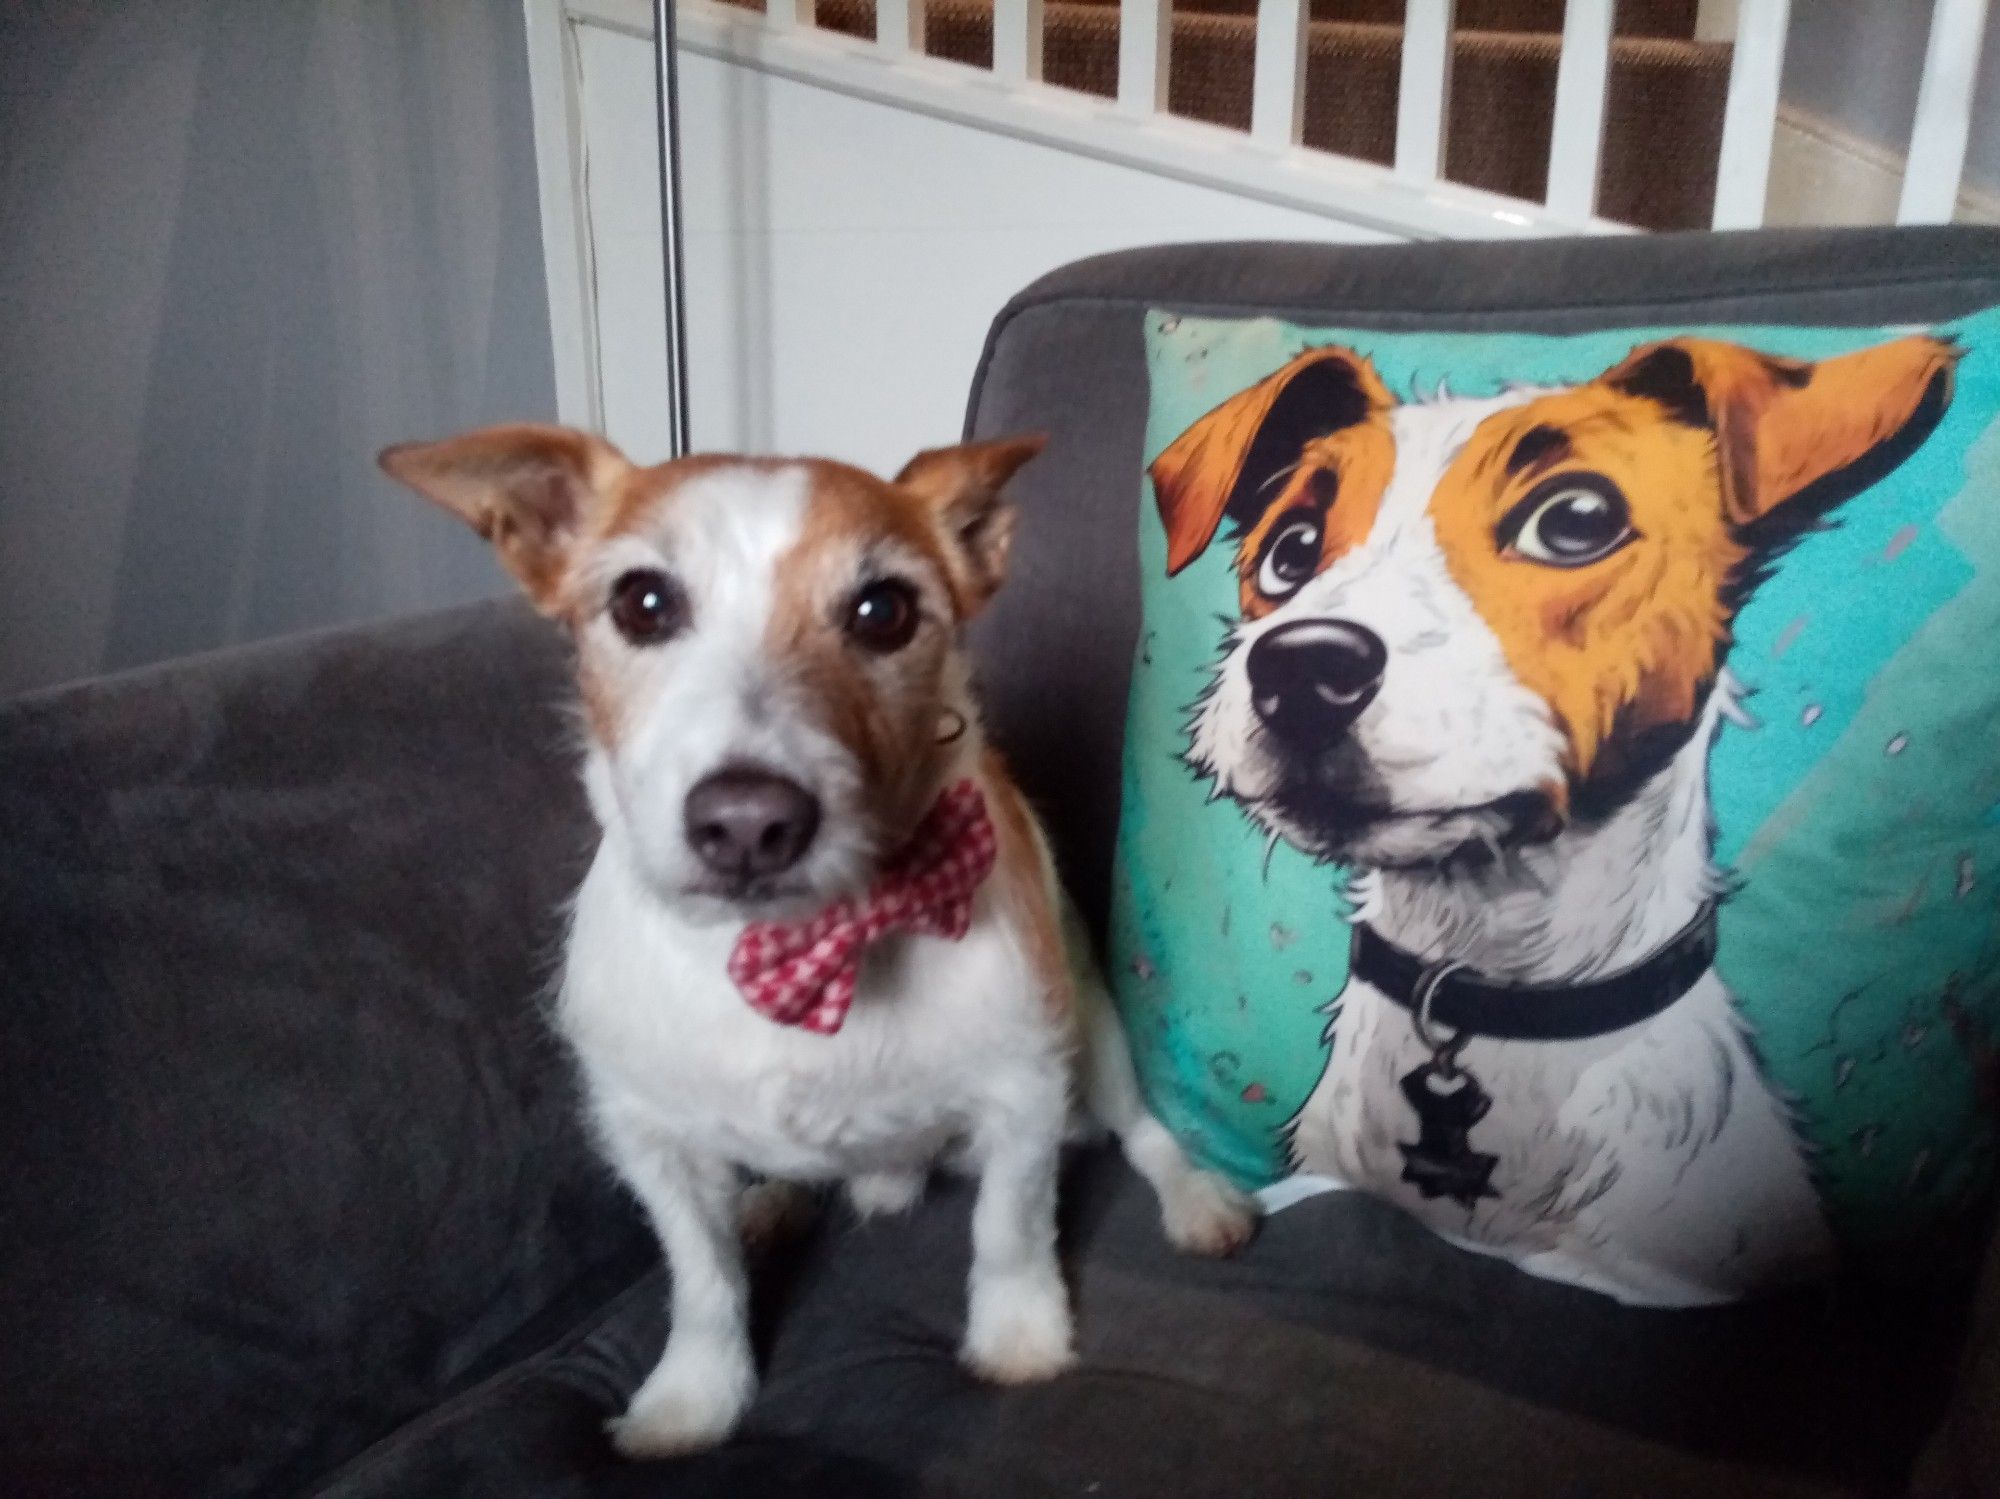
(1018, 1323)
(705, 1378)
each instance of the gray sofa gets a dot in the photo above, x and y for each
(295, 1199)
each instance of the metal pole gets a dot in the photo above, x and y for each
(666, 79)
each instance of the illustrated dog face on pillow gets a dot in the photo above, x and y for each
(1466, 621)
(1481, 660)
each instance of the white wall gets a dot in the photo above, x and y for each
(845, 257)
(1856, 65)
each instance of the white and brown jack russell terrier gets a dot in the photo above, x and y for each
(822, 938)
(1480, 663)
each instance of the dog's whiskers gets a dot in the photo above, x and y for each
(1533, 875)
(1734, 712)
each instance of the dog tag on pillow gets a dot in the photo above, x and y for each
(1441, 1162)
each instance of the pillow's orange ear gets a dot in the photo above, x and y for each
(1220, 465)
(1795, 439)
(526, 488)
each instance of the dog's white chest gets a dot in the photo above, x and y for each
(666, 1040)
(1653, 1163)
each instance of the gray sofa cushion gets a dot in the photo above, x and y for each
(1343, 1354)
(290, 1155)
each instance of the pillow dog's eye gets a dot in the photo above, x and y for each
(1571, 521)
(1290, 557)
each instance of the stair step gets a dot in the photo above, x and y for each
(1656, 18)
(1663, 117)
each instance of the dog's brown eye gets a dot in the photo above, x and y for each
(647, 606)
(1290, 557)
(883, 616)
(1570, 521)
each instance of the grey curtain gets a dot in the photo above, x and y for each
(244, 244)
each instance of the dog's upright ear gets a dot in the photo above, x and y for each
(961, 486)
(1796, 439)
(1221, 465)
(528, 489)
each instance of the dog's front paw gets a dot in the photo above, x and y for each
(689, 1403)
(1019, 1332)
(1206, 1214)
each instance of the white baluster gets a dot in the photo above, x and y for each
(1944, 113)
(1582, 78)
(1750, 119)
(899, 26)
(1145, 33)
(792, 12)
(1715, 20)
(1017, 41)
(1278, 94)
(1423, 98)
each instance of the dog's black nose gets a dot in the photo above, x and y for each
(1311, 679)
(745, 823)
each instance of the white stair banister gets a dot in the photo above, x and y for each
(1145, 33)
(1944, 113)
(1423, 97)
(1583, 78)
(792, 12)
(899, 26)
(1278, 89)
(1750, 119)
(1017, 40)
(1715, 20)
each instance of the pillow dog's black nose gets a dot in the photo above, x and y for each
(1309, 680)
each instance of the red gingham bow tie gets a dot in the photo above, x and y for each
(803, 972)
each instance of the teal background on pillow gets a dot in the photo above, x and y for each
(1862, 815)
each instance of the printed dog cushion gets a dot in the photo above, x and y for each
(1562, 792)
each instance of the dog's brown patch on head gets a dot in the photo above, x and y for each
(1634, 639)
(1313, 437)
(1336, 488)
(883, 708)
(637, 503)
(1672, 477)
(601, 694)
(942, 532)
(1539, 450)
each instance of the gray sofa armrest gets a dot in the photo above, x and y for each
(290, 1154)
